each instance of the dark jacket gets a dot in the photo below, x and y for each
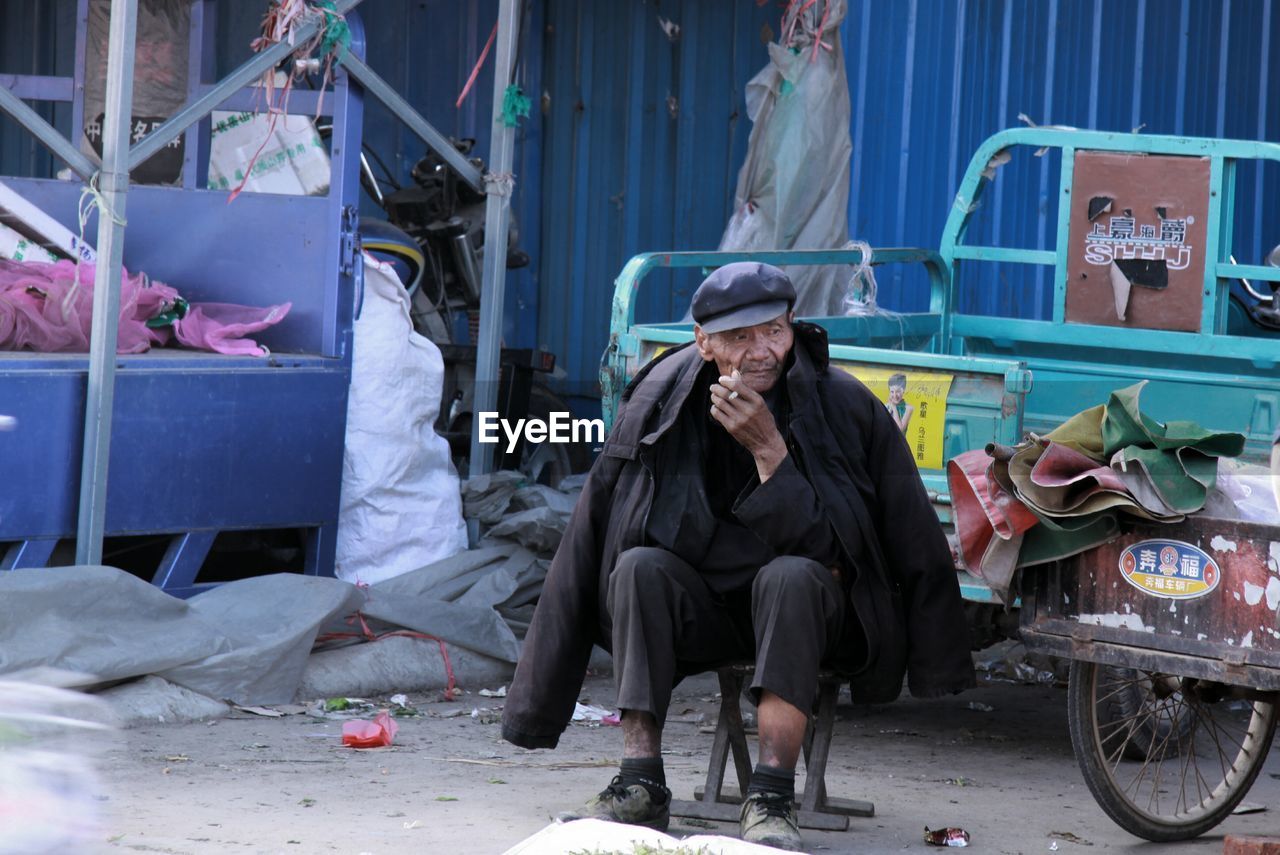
(897, 564)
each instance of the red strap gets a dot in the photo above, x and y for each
(475, 72)
(367, 634)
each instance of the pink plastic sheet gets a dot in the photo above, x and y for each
(43, 308)
(378, 733)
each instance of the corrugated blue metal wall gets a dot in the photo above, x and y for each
(626, 170)
(643, 134)
(1192, 67)
(637, 135)
(36, 37)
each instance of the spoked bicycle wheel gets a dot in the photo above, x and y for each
(1175, 755)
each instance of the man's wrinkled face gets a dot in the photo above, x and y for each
(759, 353)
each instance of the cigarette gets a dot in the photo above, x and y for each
(733, 396)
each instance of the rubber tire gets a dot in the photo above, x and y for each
(561, 460)
(546, 463)
(1092, 761)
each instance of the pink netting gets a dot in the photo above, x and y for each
(43, 309)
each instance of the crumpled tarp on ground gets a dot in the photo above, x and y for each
(460, 600)
(244, 641)
(533, 515)
(1058, 495)
(248, 641)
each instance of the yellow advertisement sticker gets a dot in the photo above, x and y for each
(917, 401)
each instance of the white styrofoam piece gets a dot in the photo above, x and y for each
(15, 247)
(25, 217)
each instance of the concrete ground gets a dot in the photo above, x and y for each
(450, 785)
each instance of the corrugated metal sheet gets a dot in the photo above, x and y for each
(929, 80)
(1193, 67)
(643, 135)
(36, 37)
(637, 137)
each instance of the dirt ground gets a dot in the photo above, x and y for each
(450, 785)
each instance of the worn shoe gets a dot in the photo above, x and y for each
(632, 805)
(770, 819)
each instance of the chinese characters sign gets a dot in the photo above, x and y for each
(163, 167)
(1169, 568)
(1137, 239)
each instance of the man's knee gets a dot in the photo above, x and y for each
(638, 569)
(790, 575)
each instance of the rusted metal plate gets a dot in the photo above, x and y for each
(1205, 587)
(1137, 240)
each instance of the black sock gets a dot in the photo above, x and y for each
(648, 773)
(773, 779)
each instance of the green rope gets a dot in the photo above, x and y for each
(337, 35)
(515, 105)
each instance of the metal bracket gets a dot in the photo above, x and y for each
(1017, 381)
(349, 234)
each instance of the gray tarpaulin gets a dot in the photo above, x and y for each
(272, 622)
(245, 641)
(248, 641)
(455, 599)
(100, 621)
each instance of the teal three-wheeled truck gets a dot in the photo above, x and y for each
(1172, 700)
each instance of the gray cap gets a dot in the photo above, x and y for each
(742, 294)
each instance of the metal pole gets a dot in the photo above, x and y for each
(114, 185)
(45, 133)
(435, 140)
(496, 215)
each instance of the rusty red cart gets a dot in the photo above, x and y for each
(1174, 638)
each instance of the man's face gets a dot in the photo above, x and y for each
(758, 352)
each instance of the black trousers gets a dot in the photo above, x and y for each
(666, 623)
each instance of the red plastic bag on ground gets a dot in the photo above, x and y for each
(370, 734)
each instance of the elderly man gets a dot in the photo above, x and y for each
(750, 502)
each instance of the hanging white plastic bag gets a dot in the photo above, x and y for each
(793, 189)
(401, 502)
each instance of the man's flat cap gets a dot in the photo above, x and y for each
(742, 294)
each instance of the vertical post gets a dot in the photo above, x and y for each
(114, 185)
(497, 213)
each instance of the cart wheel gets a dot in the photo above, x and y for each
(1180, 761)
(1133, 697)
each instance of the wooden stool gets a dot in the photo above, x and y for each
(714, 801)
